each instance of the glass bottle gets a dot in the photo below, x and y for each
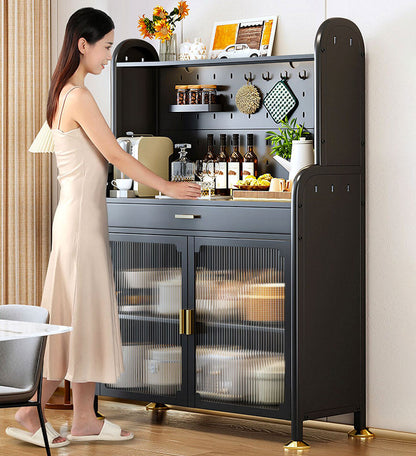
(234, 163)
(221, 168)
(250, 159)
(182, 169)
(209, 157)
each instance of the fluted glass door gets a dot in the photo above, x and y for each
(241, 334)
(150, 280)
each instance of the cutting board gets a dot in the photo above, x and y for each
(260, 195)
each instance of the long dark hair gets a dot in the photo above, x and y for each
(89, 23)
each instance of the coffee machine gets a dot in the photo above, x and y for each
(153, 152)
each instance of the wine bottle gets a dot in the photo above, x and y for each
(221, 168)
(234, 164)
(250, 159)
(209, 157)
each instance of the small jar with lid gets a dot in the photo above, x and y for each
(181, 94)
(194, 94)
(209, 94)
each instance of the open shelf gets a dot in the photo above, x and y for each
(222, 62)
(195, 108)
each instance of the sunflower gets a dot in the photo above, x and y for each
(143, 26)
(160, 12)
(163, 30)
(183, 9)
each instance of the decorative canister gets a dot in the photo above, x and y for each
(197, 50)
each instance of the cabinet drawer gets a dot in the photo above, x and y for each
(188, 217)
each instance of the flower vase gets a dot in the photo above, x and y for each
(167, 50)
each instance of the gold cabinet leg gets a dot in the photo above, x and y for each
(156, 406)
(364, 434)
(296, 445)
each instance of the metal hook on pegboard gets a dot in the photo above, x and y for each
(266, 77)
(286, 76)
(304, 75)
(250, 78)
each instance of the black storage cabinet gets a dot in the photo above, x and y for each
(319, 237)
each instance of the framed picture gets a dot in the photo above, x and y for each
(243, 38)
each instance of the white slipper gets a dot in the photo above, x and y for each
(37, 437)
(109, 431)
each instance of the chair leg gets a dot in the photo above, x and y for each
(42, 424)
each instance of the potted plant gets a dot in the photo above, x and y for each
(282, 142)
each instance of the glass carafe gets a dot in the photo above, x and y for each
(182, 169)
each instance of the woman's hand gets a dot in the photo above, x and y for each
(182, 190)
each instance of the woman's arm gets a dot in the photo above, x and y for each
(81, 106)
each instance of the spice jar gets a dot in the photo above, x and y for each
(209, 94)
(181, 95)
(194, 94)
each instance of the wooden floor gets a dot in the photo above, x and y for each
(182, 433)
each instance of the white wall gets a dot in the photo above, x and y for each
(388, 30)
(389, 33)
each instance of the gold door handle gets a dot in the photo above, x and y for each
(182, 321)
(189, 322)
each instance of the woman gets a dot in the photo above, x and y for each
(79, 286)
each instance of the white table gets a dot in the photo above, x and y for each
(12, 329)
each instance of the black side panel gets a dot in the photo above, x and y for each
(329, 282)
(134, 89)
(136, 95)
(340, 87)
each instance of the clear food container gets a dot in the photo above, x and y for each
(181, 94)
(194, 94)
(209, 94)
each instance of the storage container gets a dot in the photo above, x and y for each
(209, 94)
(181, 94)
(164, 369)
(133, 358)
(269, 383)
(194, 94)
(169, 300)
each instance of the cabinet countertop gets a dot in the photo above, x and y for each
(201, 202)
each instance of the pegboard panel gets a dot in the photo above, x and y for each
(194, 127)
(229, 78)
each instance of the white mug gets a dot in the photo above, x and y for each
(122, 184)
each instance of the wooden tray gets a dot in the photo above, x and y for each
(250, 194)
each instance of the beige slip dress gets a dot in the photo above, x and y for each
(79, 287)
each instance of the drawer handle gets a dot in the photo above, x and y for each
(186, 216)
